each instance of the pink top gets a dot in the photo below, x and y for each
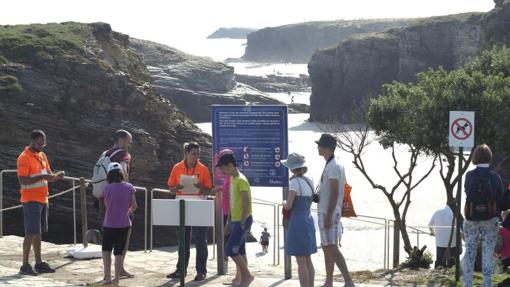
(505, 233)
(226, 195)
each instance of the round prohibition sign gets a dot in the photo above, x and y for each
(461, 128)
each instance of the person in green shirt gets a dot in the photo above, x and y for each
(240, 218)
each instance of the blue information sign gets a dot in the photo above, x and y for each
(258, 136)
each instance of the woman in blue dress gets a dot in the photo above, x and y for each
(301, 240)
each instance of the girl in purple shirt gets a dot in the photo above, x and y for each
(120, 202)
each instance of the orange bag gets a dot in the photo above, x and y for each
(348, 208)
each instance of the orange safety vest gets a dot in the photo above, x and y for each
(200, 171)
(33, 164)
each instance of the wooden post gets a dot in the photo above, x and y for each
(287, 262)
(83, 203)
(396, 244)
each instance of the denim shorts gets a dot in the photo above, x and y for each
(35, 217)
(236, 244)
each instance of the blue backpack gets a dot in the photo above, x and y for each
(481, 198)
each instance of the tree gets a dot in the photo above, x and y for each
(418, 114)
(355, 142)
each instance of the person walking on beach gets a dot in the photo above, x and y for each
(484, 191)
(34, 173)
(440, 226)
(120, 202)
(301, 240)
(329, 210)
(264, 240)
(191, 166)
(240, 218)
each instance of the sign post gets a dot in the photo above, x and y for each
(258, 136)
(461, 135)
(182, 213)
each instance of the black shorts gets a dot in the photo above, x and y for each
(115, 239)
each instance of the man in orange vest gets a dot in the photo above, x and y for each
(34, 173)
(192, 167)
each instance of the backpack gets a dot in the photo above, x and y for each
(99, 174)
(481, 203)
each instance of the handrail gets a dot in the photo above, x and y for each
(275, 228)
(52, 196)
(73, 179)
(145, 217)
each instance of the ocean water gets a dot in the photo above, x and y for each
(363, 237)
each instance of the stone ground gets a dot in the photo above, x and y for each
(150, 269)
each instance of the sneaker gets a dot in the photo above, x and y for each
(43, 267)
(200, 277)
(175, 275)
(27, 270)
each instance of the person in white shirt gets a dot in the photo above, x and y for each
(329, 210)
(440, 226)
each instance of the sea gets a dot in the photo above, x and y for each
(365, 243)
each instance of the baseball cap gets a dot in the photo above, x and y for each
(226, 159)
(327, 140)
(114, 166)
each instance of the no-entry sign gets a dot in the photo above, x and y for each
(462, 129)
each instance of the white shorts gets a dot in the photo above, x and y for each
(333, 235)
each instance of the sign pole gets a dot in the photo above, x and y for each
(459, 216)
(220, 238)
(182, 240)
(287, 262)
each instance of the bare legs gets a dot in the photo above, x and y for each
(306, 271)
(332, 256)
(242, 266)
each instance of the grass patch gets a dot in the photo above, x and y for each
(478, 279)
(10, 83)
(27, 42)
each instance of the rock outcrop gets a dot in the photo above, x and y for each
(345, 76)
(231, 33)
(275, 83)
(194, 83)
(79, 83)
(297, 42)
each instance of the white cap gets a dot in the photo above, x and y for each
(114, 166)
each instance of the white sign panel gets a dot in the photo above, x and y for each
(461, 129)
(198, 212)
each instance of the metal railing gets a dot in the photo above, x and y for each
(73, 189)
(276, 229)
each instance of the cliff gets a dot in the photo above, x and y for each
(346, 75)
(297, 42)
(231, 33)
(79, 83)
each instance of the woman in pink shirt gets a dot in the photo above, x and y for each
(120, 202)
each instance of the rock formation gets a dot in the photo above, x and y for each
(345, 76)
(79, 83)
(194, 83)
(231, 33)
(297, 42)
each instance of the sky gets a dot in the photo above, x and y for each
(166, 19)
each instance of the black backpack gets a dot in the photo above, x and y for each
(481, 200)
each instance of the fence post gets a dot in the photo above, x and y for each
(83, 203)
(396, 244)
